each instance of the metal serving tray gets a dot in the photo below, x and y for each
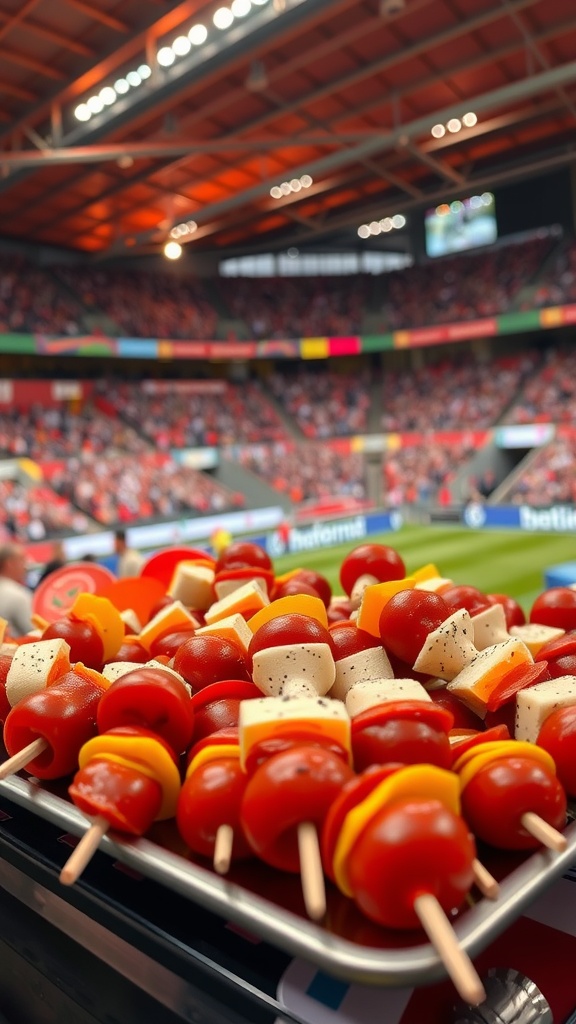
(262, 901)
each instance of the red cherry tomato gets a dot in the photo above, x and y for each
(464, 718)
(295, 585)
(162, 603)
(558, 737)
(512, 610)
(378, 560)
(168, 643)
(131, 650)
(128, 799)
(241, 553)
(209, 798)
(218, 706)
(319, 582)
(505, 717)
(292, 628)
(348, 639)
(151, 698)
(340, 612)
(555, 607)
(499, 794)
(407, 619)
(352, 793)
(297, 785)
(85, 643)
(470, 598)
(401, 740)
(388, 868)
(204, 659)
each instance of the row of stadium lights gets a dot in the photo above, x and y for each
(454, 125)
(475, 203)
(378, 227)
(288, 187)
(166, 56)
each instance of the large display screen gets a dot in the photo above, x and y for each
(463, 224)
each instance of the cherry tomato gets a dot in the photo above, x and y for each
(464, 718)
(388, 868)
(378, 560)
(558, 737)
(151, 698)
(128, 799)
(505, 716)
(292, 628)
(217, 706)
(241, 553)
(297, 785)
(499, 794)
(204, 659)
(170, 642)
(162, 603)
(313, 579)
(85, 643)
(470, 598)
(555, 607)
(348, 639)
(339, 612)
(131, 650)
(352, 793)
(209, 798)
(295, 585)
(564, 666)
(409, 742)
(512, 610)
(407, 619)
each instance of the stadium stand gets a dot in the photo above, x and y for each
(324, 404)
(308, 472)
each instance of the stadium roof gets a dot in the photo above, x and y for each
(343, 91)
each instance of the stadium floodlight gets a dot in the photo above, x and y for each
(295, 184)
(364, 231)
(83, 112)
(386, 224)
(306, 180)
(240, 8)
(285, 188)
(121, 87)
(223, 18)
(172, 250)
(95, 105)
(165, 56)
(107, 95)
(470, 119)
(144, 71)
(198, 34)
(398, 221)
(276, 192)
(374, 227)
(438, 131)
(454, 125)
(181, 46)
(133, 79)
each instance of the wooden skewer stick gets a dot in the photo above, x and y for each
(22, 758)
(313, 888)
(485, 881)
(545, 833)
(223, 849)
(82, 855)
(457, 963)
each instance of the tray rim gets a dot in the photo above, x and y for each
(344, 959)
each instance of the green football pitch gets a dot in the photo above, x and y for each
(495, 561)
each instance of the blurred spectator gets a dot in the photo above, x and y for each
(33, 513)
(15, 597)
(57, 560)
(32, 301)
(308, 472)
(423, 474)
(549, 396)
(130, 561)
(550, 478)
(298, 307)
(557, 285)
(50, 433)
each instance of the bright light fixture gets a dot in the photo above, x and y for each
(454, 125)
(398, 220)
(198, 35)
(165, 56)
(107, 95)
(438, 131)
(133, 79)
(240, 8)
(121, 87)
(172, 250)
(95, 105)
(306, 181)
(276, 192)
(83, 112)
(144, 71)
(470, 119)
(223, 17)
(364, 231)
(181, 46)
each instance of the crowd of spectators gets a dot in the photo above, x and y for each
(33, 513)
(145, 305)
(121, 489)
(457, 394)
(298, 307)
(548, 396)
(308, 472)
(46, 433)
(241, 414)
(550, 478)
(557, 285)
(423, 474)
(460, 287)
(31, 301)
(325, 404)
